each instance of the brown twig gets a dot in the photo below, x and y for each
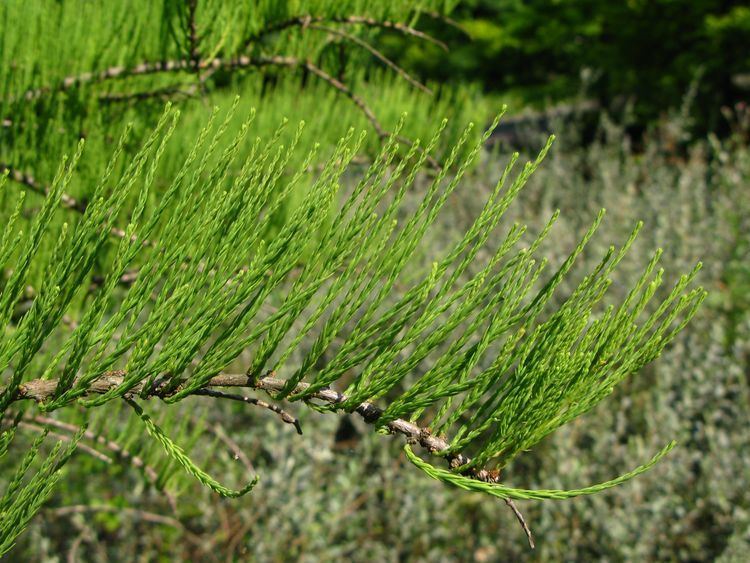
(285, 416)
(41, 390)
(304, 21)
(74, 547)
(279, 60)
(376, 53)
(192, 31)
(521, 521)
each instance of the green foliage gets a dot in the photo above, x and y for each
(176, 452)
(504, 492)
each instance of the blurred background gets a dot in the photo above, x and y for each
(648, 100)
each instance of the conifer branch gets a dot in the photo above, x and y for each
(43, 390)
(515, 372)
(24, 497)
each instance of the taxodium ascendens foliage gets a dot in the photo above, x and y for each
(467, 360)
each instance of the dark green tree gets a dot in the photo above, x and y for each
(645, 52)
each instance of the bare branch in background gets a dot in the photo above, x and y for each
(237, 452)
(344, 90)
(193, 40)
(304, 21)
(194, 63)
(30, 182)
(140, 514)
(67, 438)
(377, 54)
(521, 521)
(120, 452)
(67, 201)
(448, 21)
(165, 93)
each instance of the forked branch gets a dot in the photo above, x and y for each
(42, 390)
(283, 415)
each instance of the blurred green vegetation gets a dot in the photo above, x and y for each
(643, 51)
